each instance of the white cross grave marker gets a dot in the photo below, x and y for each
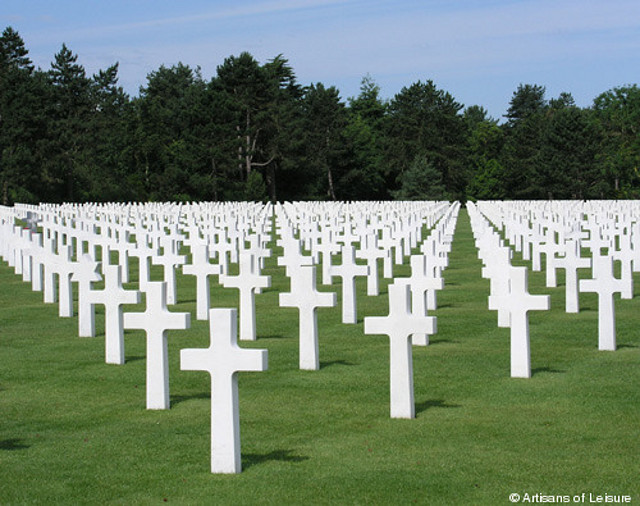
(550, 248)
(399, 325)
(420, 283)
(48, 258)
(327, 247)
(519, 302)
(605, 285)
(202, 269)
(222, 360)
(155, 321)
(371, 253)
(26, 247)
(348, 271)
(86, 273)
(169, 260)
(64, 268)
(246, 282)
(625, 256)
(571, 262)
(307, 299)
(37, 266)
(113, 297)
(144, 254)
(497, 270)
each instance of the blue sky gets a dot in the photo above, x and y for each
(479, 51)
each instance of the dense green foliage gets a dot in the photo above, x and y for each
(252, 131)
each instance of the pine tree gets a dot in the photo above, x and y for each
(422, 181)
(23, 122)
(71, 117)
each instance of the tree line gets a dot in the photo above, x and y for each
(252, 132)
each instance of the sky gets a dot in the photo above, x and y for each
(477, 50)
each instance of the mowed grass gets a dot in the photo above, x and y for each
(74, 430)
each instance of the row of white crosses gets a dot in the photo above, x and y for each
(152, 226)
(236, 235)
(326, 229)
(561, 230)
(509, 294)
(408, 319)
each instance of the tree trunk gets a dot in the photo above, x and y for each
(240, 169)
(247, 154)
(332, 192)
(214, 176)
(271, 181)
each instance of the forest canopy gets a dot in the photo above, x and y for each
(252, 132)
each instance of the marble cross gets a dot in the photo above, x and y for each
(348, 271)
(169, 260)
(327, 247)
(605, 285)
(497, 270)
(420, 283)
(223, 359)
(257, 248)
(550, 248)
(86, 273)
(26, 248)
(347, 237)
(571, 262)
(48, 258)
(144, 254)
(292, 256)
(37, 267)
(113, 297)
(248, 279)
(201, 269)
(519, 302)
(371, 253)
(387, 243)
(156, 321)
(307, 299)
(595, 242)
(625, 257)
(18, 250)
(64, 268)
(400, 325)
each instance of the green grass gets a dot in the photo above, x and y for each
(74, 430)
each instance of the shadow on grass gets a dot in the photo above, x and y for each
(135, 358)
(13, 444)
(431, 403)
(442, 341)
(252, 459)
(619, 346)
(273, 336)
(329, 363)
(177, 399)
(546, 369)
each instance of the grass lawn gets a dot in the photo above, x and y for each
(74, 430)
